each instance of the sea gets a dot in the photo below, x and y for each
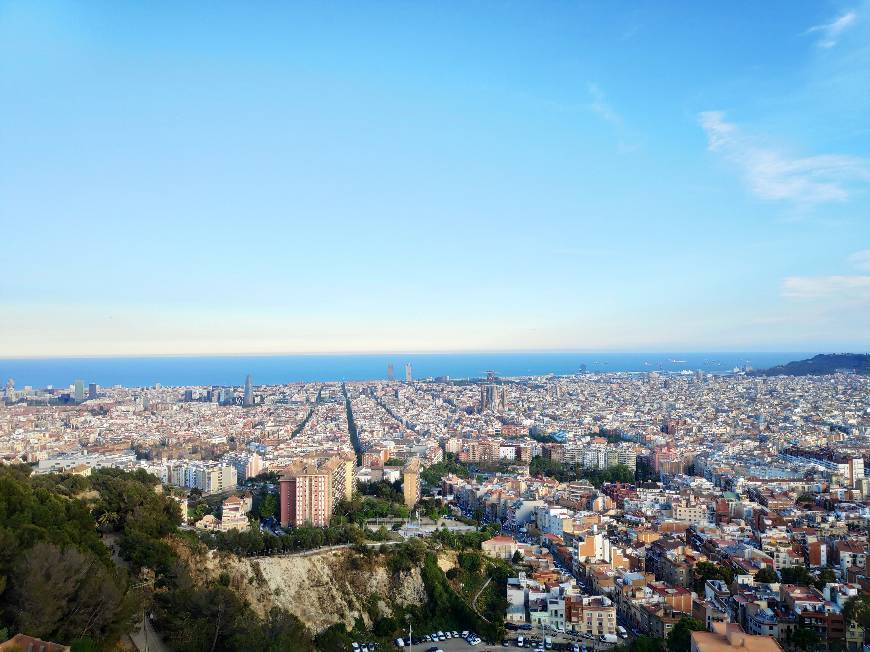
(187, 371)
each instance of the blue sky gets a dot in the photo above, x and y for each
(275, 177)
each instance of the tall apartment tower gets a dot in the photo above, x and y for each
(79, 393)
(411, 482)
(390, 375)
(249, 391)
(408, 376)
(856, 471)
(309, 489)
(349, 463)
(305, 494)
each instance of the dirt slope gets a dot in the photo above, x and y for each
(321, 589)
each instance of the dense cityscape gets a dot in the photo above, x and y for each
(386, 326)
(614, 507)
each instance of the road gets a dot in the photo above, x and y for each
(154, 642)
(451, 645)
(459, 645)
(482, 588)
(319, 551)
(591, 644)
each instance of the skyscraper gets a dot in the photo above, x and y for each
(92, 391)
(407, 372)
(390, 372)
(79, 394)
(249, 391)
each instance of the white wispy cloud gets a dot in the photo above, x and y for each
(830, 32)
(774, 175)
(601, 106)
(838, 288)
(861, 260)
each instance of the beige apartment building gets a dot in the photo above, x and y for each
(411, 482)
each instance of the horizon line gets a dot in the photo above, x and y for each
(76, 356)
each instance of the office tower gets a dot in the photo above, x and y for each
(92, 391)
(407, 372)
(390, 372)
(249, 391)
(10, 389)
(411, 482)
(79, 393)
(188, 395)
(228, 397)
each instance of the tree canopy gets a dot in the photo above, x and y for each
(857, 610)
(679, 638)
(60, 582)
(766, 576)
(570, 472)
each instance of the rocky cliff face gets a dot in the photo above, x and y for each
(320, 588)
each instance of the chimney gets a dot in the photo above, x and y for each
(736, 638)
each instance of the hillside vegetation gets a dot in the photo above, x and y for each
(821, 365)
(58, 579)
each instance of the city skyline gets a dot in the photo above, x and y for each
(425, 178)
(368, 326)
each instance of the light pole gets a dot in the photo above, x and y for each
(410, 635)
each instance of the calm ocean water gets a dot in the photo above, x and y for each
(231, 370)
